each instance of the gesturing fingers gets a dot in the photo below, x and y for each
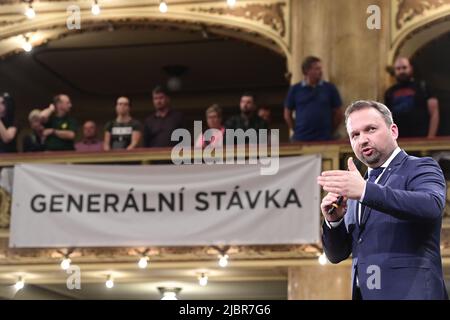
(332, 173)
(332, 189)
(322, 179)
(338, 185)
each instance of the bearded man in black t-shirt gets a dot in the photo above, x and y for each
(414, 108)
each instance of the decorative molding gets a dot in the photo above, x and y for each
(271, 15)
(157, 254)
(264, 23)
(409, 9)
(417, 31)
(5, 205)
(12, 21)
(148, 24)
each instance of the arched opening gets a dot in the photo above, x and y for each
(109, 59)
(427, 44)
(432, 65)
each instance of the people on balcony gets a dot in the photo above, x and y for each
(316, 103)
(214, 120)
(159, 125)
(8, 129)
(90, 142)
(124, 132)
(60, 127)
(34, 141)
(414, 108)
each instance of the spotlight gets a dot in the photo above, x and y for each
(223, 256)
(65, 263)
(223, 260)
(203, 279)
(163, 6)
(231, 3)
(95, 8)
(169, 293)
(27, 47)
(143, 262)
(323, 259)
(19, 284)
(109, 282)
(29, 12)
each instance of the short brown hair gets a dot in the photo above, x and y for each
(129, 100)
(308, 62)
(34, 114)
(249, 94)
(57, 98)
(214, 108)
(160, 89)
(367, 104)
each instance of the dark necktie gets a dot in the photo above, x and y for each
(373, 175)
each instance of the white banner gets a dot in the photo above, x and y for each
(165, 205)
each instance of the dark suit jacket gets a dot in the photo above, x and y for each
(398, 239)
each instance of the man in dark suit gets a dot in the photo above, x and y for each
(390, 220)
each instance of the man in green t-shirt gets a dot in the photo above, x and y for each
(60, 128)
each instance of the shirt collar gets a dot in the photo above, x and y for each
(389, 160)
(304, 84)
(161, 117)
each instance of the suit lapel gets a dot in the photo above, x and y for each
(393, 166)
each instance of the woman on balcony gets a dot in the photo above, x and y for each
(214, 121)
(124, 132)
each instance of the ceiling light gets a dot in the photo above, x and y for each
(223, 260)
(27, 46)
(169, 293)
(29, 12)
(223, 256)
(143, 262)
(109, 282)
(19, 284)
(203, 279)
(231, 3)
(174, 72)
(163, 6)
(65, 263)
(323, 259)
(95, 8)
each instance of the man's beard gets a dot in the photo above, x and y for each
(402, 78)
(374, 158)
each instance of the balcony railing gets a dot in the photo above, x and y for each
(333, 154)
